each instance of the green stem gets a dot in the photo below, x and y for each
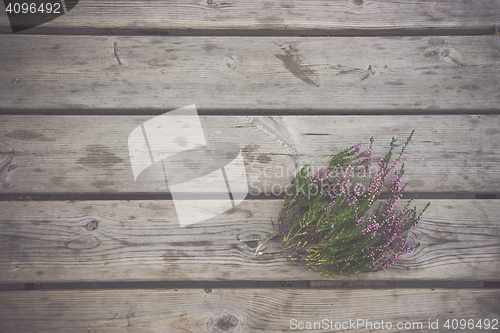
(264, 242)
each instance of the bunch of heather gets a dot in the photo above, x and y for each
(335, 225)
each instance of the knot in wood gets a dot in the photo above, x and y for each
(92, 225)
(226, 322)
(252, 244)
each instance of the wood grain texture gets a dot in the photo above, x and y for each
(242, 74)
(262, 16)
(243, 310)
(89, 154)
(142, 241)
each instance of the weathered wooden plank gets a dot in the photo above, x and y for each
(248, 310)
(242, 74)
(261, 16)
(89, 154)
(142, 241)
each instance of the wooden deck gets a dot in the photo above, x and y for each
(289, 82)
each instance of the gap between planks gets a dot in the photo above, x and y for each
(484, 30)
(160, 196)
(346, 284)
(250, 112)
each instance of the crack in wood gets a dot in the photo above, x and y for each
(7, 164)
(129, 315)
(281, 133)
(355, 71)
(212, 3)
(115, 52)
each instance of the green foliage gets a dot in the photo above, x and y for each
(327, 218)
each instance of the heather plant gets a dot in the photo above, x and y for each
(329, 221)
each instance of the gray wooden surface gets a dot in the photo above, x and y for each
(242, 310)
(89, 154)
(142, 241)
(248, 74)
(130, 61)
(265, 17)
